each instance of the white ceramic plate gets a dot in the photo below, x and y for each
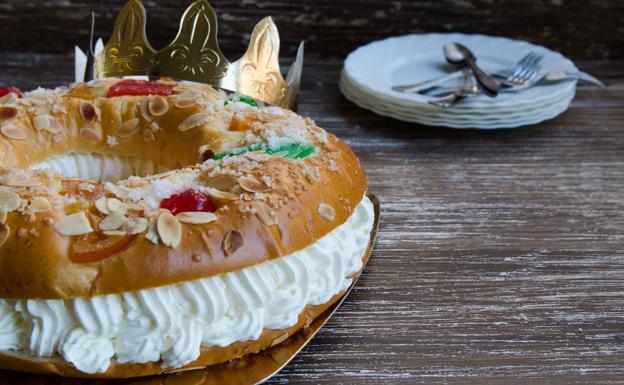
(434, 111)
(525, 119)
(371, 70)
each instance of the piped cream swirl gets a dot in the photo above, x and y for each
(173, 322)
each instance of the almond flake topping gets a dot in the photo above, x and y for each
(74, 224)
(326, 212)
(114, 233)
(9, 201)
(113, 221)
(8, 113)
(264, 213)
(251, 184)
(13, 132)
(88, 112)
(169, 230)
(232, 241)
(129, 128)
(90, 135)
(152, 233)
(184, 102)
(46, 123)
(196, 217)
(158, 105)
(194, 121)
(136, 225)
(115, 204)
(219, 195)
(9, 99)
(149, 136)
(222, 182)
(102, 205)
(4, 233)
(39, 204)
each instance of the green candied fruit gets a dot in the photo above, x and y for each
(244, 99)
(290, 151)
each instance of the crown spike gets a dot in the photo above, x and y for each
(127, 52)
(195, 54)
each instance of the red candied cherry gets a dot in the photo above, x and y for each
(8, 90)
(189, 200)
(139, 88)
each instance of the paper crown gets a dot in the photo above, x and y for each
(194, 55)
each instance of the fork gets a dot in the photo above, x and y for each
(522, 72)
(436, 82)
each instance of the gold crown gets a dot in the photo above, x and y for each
(194, 55)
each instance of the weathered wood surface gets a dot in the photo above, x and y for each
(580, 29)
(500, 258)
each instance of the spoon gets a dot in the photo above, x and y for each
(466, 89)
(459, 54)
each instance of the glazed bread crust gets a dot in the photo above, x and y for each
(289, 205)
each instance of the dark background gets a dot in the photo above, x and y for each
(589, 29)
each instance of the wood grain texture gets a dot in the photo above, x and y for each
(332, 28)
(500, 258)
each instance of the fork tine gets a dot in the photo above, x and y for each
(519, 67)
(527, 71)
(511, 70)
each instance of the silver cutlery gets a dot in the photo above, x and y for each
(521, 73)
(435, 82)
(459, 54)
(467, 88)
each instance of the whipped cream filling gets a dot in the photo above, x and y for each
(100, 167)
(171, 323)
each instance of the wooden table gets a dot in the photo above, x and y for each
(500, 258)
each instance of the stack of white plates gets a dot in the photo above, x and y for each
(370, 72)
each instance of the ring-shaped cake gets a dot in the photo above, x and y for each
(158, 226)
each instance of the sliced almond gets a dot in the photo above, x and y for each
(145, 111)
(136, 225)
(135, 206)
(115, 204)
(3, 216)
(251, 184)
(222, 182)
(196, 217)
(102, 205)
(113, 221)
(4, 233)
(264, 213)
(88, 112)
(74, 224)
(42, 122)
(13, 132)
(326, 212)
(129, 128)
(194, 121)
(158, 105)
(232, 241)
(8, 113)
(152, 233)
(169, 230)
(114, 233)
(9, 201)
(149, 136)
(184, 102)
(221, 196)
(9, 99)
(39, 204)
(90, 135)
(23, 182)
